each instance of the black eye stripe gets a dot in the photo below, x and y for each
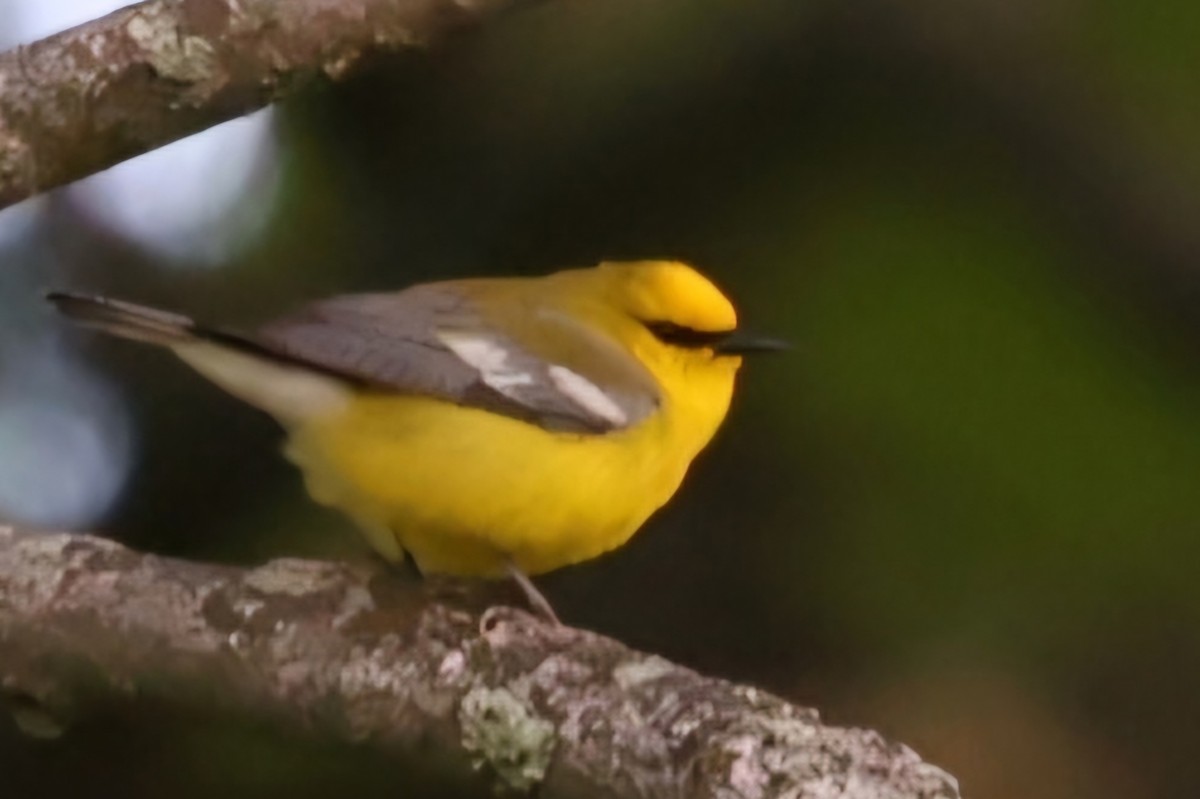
(680, 336)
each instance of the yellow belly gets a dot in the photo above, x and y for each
(462, 490)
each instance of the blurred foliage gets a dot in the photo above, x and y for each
(961, 511)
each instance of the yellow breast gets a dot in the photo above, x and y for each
(462, 490)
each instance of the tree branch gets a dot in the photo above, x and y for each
(84, 99)
(330, 650)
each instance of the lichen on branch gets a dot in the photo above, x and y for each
(346, 653)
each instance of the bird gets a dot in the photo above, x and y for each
(482, 427)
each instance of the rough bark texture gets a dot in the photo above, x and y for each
(84, 99)
(329, 650)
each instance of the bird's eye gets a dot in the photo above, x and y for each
(680, 336)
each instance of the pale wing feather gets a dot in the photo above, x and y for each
(430, 340)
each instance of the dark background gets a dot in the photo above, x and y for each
(962, 510)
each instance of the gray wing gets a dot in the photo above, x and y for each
(430, 340)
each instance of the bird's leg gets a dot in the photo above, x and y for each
(408, 565)
(536, 598)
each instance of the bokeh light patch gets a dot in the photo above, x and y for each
(64, 442)
(194, 201)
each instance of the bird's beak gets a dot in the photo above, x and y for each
(739, 343)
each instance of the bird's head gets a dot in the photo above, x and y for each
(680, 308)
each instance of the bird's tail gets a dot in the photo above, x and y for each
(287, 388)
(126, 319)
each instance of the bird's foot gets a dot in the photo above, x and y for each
(537, 600)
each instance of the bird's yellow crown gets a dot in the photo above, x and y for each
(668, 292)
(673, 292)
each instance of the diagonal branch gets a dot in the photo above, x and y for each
(332, 651)
(84, 99)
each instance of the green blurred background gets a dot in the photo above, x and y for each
(961, 511)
